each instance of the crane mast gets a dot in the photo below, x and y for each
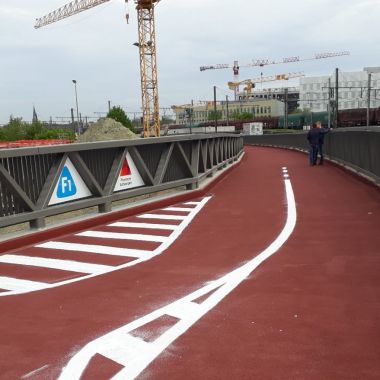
(148, 67)
(147, 52)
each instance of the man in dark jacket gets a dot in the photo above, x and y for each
(313, 136)
(322, 133)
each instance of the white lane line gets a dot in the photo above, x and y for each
(162, 216)
(92, 248)
(191, 203)
(188, 311)
(286, 176)
(182, 209)
(72, 266)
(10, 283)
(152, 226)
(33, 373)
(123, 236)
(140, 255)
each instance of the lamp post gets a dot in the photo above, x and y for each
(228, 113)
(76, 99)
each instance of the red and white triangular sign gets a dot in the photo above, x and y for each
(129, 176)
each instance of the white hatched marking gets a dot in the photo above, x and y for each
(72, 266)
(92, 248)
(182, 209)
(161, 216)
(122, 236)
(126, 348)
(140, 255)
(9, 283)
(182, 310)
(152, 226)
(192, 203)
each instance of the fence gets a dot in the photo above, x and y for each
(38, 182)
(357, 149)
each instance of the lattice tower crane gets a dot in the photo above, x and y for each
(147, 50)
(264, 62)
(250, 83)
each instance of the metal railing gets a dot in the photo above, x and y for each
(355, 148)
(31, 177)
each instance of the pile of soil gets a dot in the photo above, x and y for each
(106, 129)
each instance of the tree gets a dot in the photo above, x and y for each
(237, 115)
(212, 114)
(167, 120)
(14, 130)
(34, 130)
(118, 114)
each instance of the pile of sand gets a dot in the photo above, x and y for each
(106, 129)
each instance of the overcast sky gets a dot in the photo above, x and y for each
(95, 48)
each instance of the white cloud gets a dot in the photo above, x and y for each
(95, 47)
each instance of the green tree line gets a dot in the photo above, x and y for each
(17, 129)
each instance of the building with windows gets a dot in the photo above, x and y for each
(274, 94)
(352, 90)
(204, 111)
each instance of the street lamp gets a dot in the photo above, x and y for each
(76, 99)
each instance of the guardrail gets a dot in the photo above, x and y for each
(39, 182)
(357, 149)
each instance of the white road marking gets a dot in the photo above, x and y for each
(99, 249)
(191, 203)
(123, 236)
(10, 283)
(26, 376)
(182, 209)
(72, 266)
(126, 347)
(152, 226)
(185, 309)
(162, 216)
(140, 255)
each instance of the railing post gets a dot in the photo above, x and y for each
(105, 207)
(37, 224)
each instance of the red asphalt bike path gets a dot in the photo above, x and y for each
(309, 312)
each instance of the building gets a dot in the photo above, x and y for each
(274, 93)
(352, 90)
(203, 111)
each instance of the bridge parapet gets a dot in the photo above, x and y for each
(356, 149)
(44, 181)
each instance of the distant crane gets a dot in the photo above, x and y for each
(250, 83)
(147, 50)
(264, 62)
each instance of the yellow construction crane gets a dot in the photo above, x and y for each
(147, 49)
(250, 83)
(264, 62)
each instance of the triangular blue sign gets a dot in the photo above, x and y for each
(66, 185)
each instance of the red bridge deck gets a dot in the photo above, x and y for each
(158, 301)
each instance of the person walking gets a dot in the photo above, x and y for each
(313, 136)
(322, 134)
